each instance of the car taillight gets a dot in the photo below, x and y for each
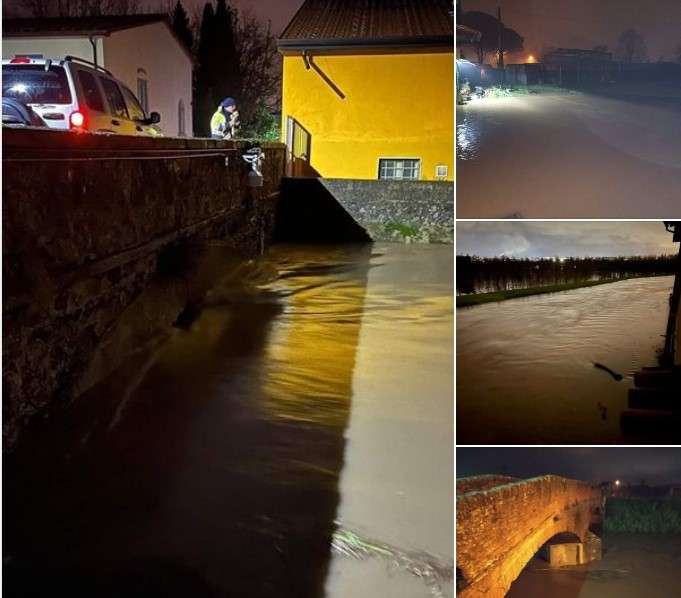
(77, 119)
(20, 60)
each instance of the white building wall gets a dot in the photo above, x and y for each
(52, 47)
(168, 69)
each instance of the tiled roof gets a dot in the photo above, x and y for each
(321, 23)
(76, 25)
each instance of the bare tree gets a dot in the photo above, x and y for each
(632, 47)
(260, 68)
(259, 61)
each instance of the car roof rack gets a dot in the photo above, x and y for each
(87, 62)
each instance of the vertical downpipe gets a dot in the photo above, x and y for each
(93, 41)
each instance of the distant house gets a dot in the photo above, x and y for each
(368, 89)
(140, 50)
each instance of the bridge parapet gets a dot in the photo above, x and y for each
(482, 482)
(499, 529)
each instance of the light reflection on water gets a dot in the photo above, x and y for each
(216, 459)
(525, 372)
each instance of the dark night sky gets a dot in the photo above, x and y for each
(279, 12)
(557, 238)
(587, 23)
(654, 465)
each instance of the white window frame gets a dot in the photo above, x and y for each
(437, 171)
(398, 159)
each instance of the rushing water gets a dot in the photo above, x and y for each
(525, 367)
(567, 155)
(289, 436)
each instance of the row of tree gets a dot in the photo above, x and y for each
(479, 274)
(631, 46)
(235, 56)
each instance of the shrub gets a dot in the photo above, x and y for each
(645, 515)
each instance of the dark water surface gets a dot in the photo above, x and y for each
(633, 566)
(568, 155)
(290, 436)
(525, 367)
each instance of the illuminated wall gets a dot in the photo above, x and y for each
(395, 106)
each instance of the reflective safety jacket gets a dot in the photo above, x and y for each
(218, 123)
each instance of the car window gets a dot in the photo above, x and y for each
(93, 98)
(32, 84)
(114, 97)
(134, 109)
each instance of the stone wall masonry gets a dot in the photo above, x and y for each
(405, 211)
(498, 530)
(85, 219)
(482, 482)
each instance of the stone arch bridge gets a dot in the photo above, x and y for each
(502, 522)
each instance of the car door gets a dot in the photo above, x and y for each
(137, 114)
(90, 95)
(119, 118)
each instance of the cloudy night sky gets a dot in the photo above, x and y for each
(588, 23)
(654, 465)
(517, 238)
(279, 12)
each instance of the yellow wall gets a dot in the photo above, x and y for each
(395, 106)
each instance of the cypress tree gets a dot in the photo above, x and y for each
(181, 26)
(204, 97)
(227, 71)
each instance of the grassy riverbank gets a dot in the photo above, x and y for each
(479, 298)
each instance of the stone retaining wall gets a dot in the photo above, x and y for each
(85, 220)
(405, 211)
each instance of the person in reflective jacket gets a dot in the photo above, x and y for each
(225, 122)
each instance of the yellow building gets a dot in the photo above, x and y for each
(368, 89)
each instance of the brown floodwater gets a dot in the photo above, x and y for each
(525, 367)
(633, 566)
(290, 435)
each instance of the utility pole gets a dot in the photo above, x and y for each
(500, 63)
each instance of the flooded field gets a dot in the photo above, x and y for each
(290, 435)
(633, 566)
(569, 155)
(525, 367)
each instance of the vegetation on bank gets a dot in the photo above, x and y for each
(479, 298)
(643, 515)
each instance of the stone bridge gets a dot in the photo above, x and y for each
(502, 522)
(87, 220)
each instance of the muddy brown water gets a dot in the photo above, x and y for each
(290, 436)
(525, 367)
(633, 566)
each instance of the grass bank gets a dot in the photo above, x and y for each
(646, 515)
(479, 298)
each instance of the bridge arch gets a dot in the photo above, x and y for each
(500, 529)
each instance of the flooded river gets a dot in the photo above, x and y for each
(633, 566)
(290, 435)
(525, 367)
(568, 155)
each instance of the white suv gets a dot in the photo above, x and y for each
(75, 94)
